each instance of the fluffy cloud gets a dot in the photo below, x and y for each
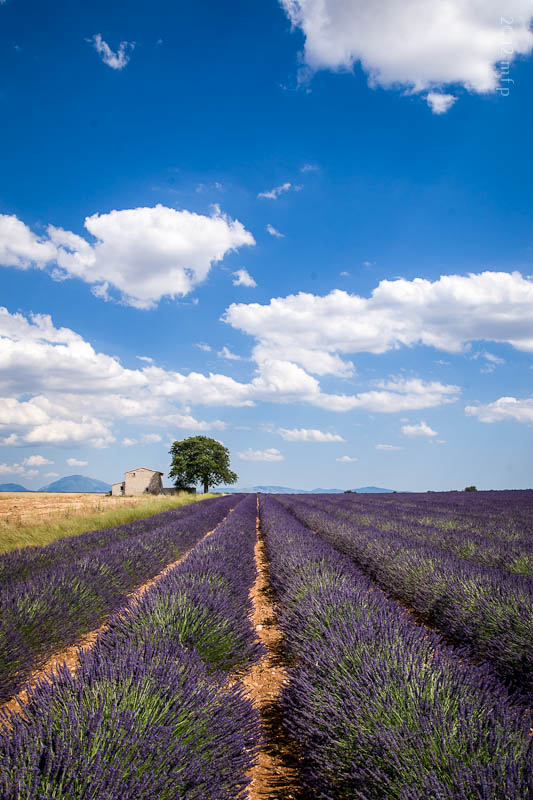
(440, 103)
(21, 248)
(346, 459)
(276, 381)
(447, 314)
(189, 423)
(271, 454)
(243, 278)
(226, 353)
(402, 394)
(422, 429)
(388, 448)
(37, 461)
(308, 435)
(493, 361)
(273, 232)
(56, 389)
(180, 247)
(127, 442)
(416, 45)
(151, 438)
(18, 469)
(114, 60)
(273, 194)
(505, 408)
(25, 467)
(74, 462)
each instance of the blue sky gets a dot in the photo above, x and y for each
(303, 229)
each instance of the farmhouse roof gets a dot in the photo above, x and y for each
(147, 469)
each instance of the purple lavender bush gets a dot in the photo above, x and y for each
(151, 723)
(491, 528)
(381, 708)
(204, 602)
(50, 610)
(150, 713)
(28, 561)
(484, 608)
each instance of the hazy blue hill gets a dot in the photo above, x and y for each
(76, 483)
(13, 487)
(373, 490)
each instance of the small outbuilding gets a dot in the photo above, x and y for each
(139, 481)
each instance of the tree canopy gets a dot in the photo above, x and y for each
(200, 459)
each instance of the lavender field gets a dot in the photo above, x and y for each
(406, 626)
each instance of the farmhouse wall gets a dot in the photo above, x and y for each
(141, 481)
(117, 489)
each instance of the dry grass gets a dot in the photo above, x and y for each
(35, 519)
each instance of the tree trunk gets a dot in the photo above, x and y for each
(206, 487)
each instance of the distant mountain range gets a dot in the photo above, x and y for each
(80, 483)
(76, 483)
(70, 483)
(287, 490)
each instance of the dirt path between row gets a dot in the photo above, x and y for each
(275, 776)
(70, 656)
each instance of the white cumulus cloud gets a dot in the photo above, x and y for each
(346, 459)
(308, 435)
(505, 408)
(56, 389)
(274, 232)
(422, 429)
(243, 278)
(18, 469)
(75, 462)
(388, 448)
(414, 45)
(179, 246)
(37, 461)
(115, 60)
(151, 438)
(440, 103)
(406, 394)
(447, 314)
(273, 194)
(127, 442)
(271, 454)
(226, 353)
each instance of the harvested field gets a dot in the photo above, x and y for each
(30, 507)
(28, 519)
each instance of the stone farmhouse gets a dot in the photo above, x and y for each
(140, 481)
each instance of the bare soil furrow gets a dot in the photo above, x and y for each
(275, 775)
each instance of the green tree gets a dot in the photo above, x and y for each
(470, 489)
(200, 459)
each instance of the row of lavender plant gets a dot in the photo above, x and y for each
(150, 714)
(482, 608)
(48, 611)
(496, 534)
(28, 561)
(380, 708)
